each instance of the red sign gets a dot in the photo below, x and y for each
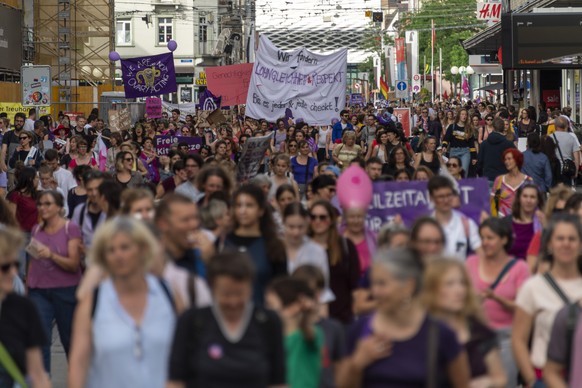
(399, 43)
(230, 82)
(551, 98)
(403, 116)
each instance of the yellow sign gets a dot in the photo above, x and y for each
(368, 14)
(11, 108)
(201, 80)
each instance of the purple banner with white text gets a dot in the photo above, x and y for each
(164, 143)
(411, 200)
(149, 76)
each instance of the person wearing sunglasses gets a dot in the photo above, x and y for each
(21, 332)
(487, 129)
(124, 174)
(454, 167)
(25, 154)
(341, 126)
(55, 268)
(342, 258)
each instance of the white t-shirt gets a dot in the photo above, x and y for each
(456, 236)
(65, 180)
(537, 298)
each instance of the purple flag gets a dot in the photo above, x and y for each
(208, 101)
(149, 76)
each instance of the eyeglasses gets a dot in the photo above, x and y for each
(452, 165)
(292, 145)
(424, 111)
(5, 268)
(331, 189)
(128, 159)
(319, 217)
(23, 137)
(489, 119)
(45, 204)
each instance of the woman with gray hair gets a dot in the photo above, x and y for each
(122, 332)
(383, 346)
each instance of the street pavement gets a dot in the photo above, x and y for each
(58, 362)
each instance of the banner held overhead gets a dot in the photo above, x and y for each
(311, 85)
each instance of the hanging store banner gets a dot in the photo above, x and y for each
(149, 76)
(489, 10)
(399, 43)
(11, 108)
(311, 85)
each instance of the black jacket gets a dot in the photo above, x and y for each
(490, 160)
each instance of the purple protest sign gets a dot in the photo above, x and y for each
(411, 200)
(149, 76)
(154, 107)
(165, 142)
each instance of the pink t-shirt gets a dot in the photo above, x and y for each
(45, 273)
(496, 314)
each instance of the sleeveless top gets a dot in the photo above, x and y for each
(434, 166)
(125, 355)
(322, 138)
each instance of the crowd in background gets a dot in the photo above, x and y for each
(160, 268)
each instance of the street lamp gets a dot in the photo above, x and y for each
(463, 71)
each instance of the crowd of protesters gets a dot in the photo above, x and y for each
(161, 269)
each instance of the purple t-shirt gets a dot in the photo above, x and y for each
(45, 273)
(523, 234)
(407, 366)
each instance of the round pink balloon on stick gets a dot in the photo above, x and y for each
(354, 188)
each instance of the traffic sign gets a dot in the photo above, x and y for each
(401, 89)
(415, 88)
(416, 78)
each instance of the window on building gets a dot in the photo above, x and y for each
(123, 32)
(165, 30)
(203, 29)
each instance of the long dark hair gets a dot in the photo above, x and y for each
(275, 248)
(25, 182)
(392, 156)
(516, 207)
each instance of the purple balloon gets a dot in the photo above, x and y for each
(114, 56)
(172, 45)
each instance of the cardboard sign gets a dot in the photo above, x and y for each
(216, 117)
(230, 82)
(119, 120)
(154, 107)
(252, 154)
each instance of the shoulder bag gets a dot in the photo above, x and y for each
(568, 166)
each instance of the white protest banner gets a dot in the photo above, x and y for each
(119, 120)
(185, 109)
(252, 154)
(311, 85)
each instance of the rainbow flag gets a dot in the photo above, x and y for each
(383, 88)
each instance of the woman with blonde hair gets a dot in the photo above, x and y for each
(123, 330)
(448, 295)
(344, 153)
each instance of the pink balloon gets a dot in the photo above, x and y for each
(354, 188)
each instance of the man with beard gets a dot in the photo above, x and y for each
(10, 141)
